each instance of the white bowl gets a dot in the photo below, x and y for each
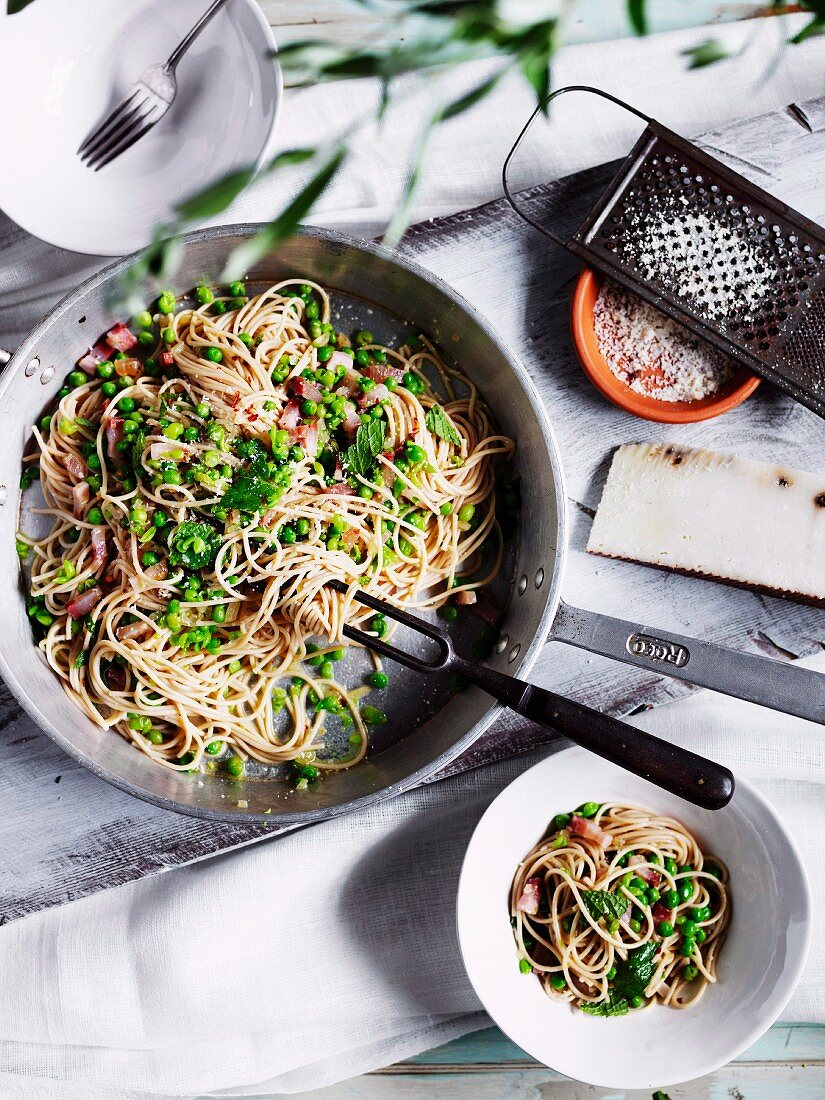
(758, 967)
(64, 65)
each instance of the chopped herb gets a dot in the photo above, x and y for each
(615, 1005)
(440, 424)
(600, 903)
(369, 442)
(194, 545)
(633, 975)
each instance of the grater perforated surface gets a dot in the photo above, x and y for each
(715, 252)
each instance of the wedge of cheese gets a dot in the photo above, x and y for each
(731, 519)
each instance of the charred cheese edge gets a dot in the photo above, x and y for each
(715, 515)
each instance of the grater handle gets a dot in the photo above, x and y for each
(542, 109)
(779, 685)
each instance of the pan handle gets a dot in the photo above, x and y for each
(779, 685)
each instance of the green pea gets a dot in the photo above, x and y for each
(151, 368)
(686, 891)
(524, 966)
(109, 389)
(379, 625)
(697, 913)
(362, 358)
(127, 404)
(670, 898)
(77, 378)
(611, 974)
(309, 408)
(95, 516)
(587, 809)
(159, 519)
(219, 613)
(105, 369)
(145, 339)
(365, 492)
(219, 307)
(636, 1002)
(168, 335)
(234, 666)
(214, 355)
(302, 526)
(287, 535)
(412, 382)
(416, 454)
(557, 981)
(448, 613)
(446, 508)
(561, 821)
(670, 866)
(701, 935)
(143, 319)
(234, 765)
(666, 928)
(237, 289)
(150, 558)
(214, 747)
(373, 716)
(337, 654)
(155, 737)
(690, 973)
(173, 430)
(466, 513)
(172, 477)
(63, 392)
(326, 670)
(190, 434)
(688, 927)
(204, 295)
(93, 461)
(166, 302)
(324, 355)
(93, 481)
(378, 680)
(688, 947)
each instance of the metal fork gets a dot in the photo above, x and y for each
(677, 770)
(146, 104)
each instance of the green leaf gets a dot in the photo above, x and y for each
(400, 220)
(14, 6)
(615, 1005)
(284, 225)
(633, 975)
(475, 95)
(810, 30)
(440, 424)
(707, 53)
(136, 447)
(602, 904)
(216, 197)
(637, 14)
(369, 442)
(194, 545)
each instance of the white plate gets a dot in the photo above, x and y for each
(759, 965)
(63, 65)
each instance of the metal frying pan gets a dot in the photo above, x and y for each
(376, 288)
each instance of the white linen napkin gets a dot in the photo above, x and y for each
(326, 952)
(331, 951)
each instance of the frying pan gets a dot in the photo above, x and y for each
(373, 288)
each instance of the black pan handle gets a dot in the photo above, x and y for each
(692, 777)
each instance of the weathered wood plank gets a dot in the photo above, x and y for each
(65, 834)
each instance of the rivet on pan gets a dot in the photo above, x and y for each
(47, 376)
(502, 643)
(522, 585)
(514, 652)
(3, 494)
(31, 367)
(539, 579)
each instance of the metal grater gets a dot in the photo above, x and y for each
(719, 255)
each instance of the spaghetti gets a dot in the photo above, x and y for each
(618, 907)
(205, 477)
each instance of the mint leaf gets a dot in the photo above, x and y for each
(369, 442)
(633, 975)
(439, 424)
(194, 545)
(615, 1005)
(601, 904)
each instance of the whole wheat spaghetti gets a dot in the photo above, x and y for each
(618, 907)
(205, 477)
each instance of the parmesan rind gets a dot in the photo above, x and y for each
(733, 519)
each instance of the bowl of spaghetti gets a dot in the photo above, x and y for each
(621, 935)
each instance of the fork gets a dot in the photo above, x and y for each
(701, 781)
(146, 104)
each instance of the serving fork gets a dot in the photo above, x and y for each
(684, 773)
(144, 106)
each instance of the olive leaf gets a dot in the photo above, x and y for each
(14, 6)
(707, 53)
(637, 14)
(284, 225)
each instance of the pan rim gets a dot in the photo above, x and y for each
(241, 231)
